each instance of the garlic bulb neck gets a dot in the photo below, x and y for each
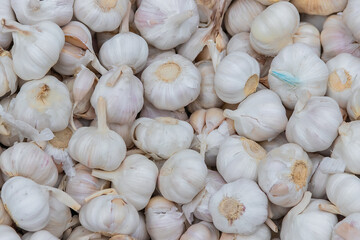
(13, 26)
(101, 114)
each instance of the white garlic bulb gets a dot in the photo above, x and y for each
(8, 233)
(274, 143)
(98, 147)
(284, 174)
(134, 169)
(239, 207)
(34, 11)
(309, 35)
(351, 16)
(269, 39)
(314, 123)
(320, 7)
(236, 77)
(123, 93)
(172, 135)
(36, 48)
(317, 184)
(141, 232)
(182, 176)
(6, 13)
(201, 231)
(306, 221)
(348, 228)
(353, 105)
(167, 24)
(100, 16)
(29, 160)
(305, 71)
(263, 122)
(5, 219)
(149, 111)
(171, 83)
(39, 235)
(238, 157)
(8, 78)
(163, 219)
(262, 233)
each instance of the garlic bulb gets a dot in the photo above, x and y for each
(351, 17)
(167, 24)
(123, 93)
(199, 206)
(182, 176)
(110, 215)
(100, 16)
(348, 228)
(141, 232)
(171, 136)
(262, 233)
(8, 78)
(274, 143)
(307, 221)
(309, 35)
(163, 219)
(269, 39)
(98, 147)
(34, 11)
(171, 83)
(305, 71)
(40, 235)
(134, 169)
(43, 103)
(8, 233)
(236, 77)
(5, 219)
(353, 105)
(239, 207)
(320, 7)
(263, 122)
(317, 184)
(149, 111)
(238, 157)
(314, 123)
(284, 174)
(28, 160)
(125, 49)
(201, 231)
(6, 13)
(36, 48)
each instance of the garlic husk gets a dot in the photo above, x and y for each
(262, 233)
(239, 207)
(34, 11)
(43, 103)
(149, 111)
(182, 176)
(238, 157)
(305, 71)
(353, 105)
(199, 205)
(351, 17)
(269, 39)
(274, 143)
(8, 233)
(5, 219)
(134, 169)
(314, 123)
(39, 235)
(171, 83)
(82, 233)
(201, 231)
(166, 25)
(307, 221)
(36, 48)
(172, 135)
(309, 35)
(320, 7)
(163, 219)
(348, 228)
(8, 78)
(269, 2)
(289, 160)
(7, 13)
(236, 77)
(123, 93)
(263, 122)
(29, 160)
(141, 232)
(101, 16)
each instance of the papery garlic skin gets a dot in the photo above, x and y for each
(100, 16)
(171, 83)
(7, 13)
(239, 207)
(81, 232)
(309, 35)
(201, 231)
(305, 71)
(8, 78)
(320, 7)
(236, 77)
(351, 17)
(348, 228)
(269, 39)
(353, 105)
(284, 174)
(262, 233)
(8, 233)
(167, 24)
(141, 232)
(263, 122)
(182, 176)
(32, 12)
(317, 184)
(149, 111)
(5, 219)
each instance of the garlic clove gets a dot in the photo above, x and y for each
(197, 120)
(310, 35)
(353, 105)
(319, 7)
(8, 233)
(200, 231)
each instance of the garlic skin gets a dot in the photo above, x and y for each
(262, 233)
(6, 12)
(141, 232)
(309, 35)
(163, 219)
(171, 136)
(314, 123)
(317, 184)
(307, 221)
(353, 105)
(36, 48)
(40, 235)
(8, 233)
(201, 231)
(351, 17)
(269, 2)
(274, 143)
(348, 228)
(182, 176)
(171, 83)
(320, 7)
(32, 12)
(263, 122)
(166, 25)
(239, 207)
(238, 157)
(269, 39)
(149, 111)
(5, 219)
(236, 77)
(305, 71)
(100, 16)
(81, 232)
(28, 160)
(284, 174)
(124, 49)
(8, 78)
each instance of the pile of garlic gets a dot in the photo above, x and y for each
(179, 119)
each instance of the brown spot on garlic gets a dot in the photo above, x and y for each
(251, 84)
(43, 93)
(335, 82)
(168, 120)
(299, 174)
(168, 72)
(253, 149)
(61, 139)
(107, 5)
(231, 208)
